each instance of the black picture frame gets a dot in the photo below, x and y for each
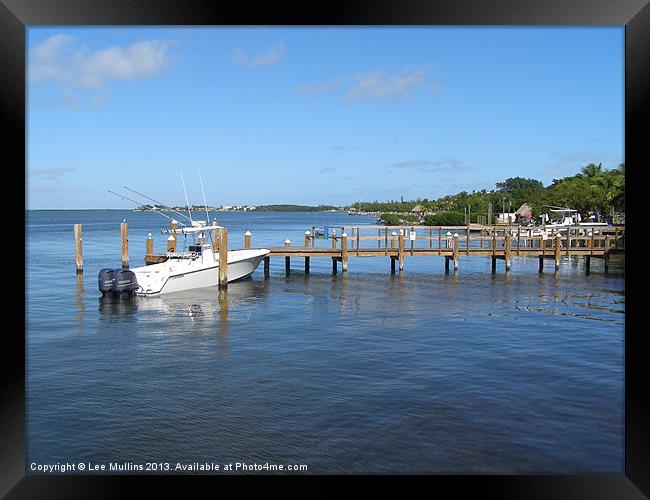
(17, 15)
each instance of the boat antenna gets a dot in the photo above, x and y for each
(205, 203)
(137, 203)
(159, 202)
(186, 200)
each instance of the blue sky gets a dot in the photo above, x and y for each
(315, 115)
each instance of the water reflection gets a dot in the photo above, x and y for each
(79, 296)
(117, 306)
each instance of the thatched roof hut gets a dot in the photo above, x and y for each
(418, 209)
(525, 211)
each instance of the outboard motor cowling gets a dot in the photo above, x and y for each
(106, 280)
(125, 282)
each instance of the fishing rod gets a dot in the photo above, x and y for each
(159, 202)
(205, 203)
(138, 203)
(186, 200)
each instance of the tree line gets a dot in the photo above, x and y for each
(592, 190)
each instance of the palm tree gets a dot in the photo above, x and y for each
(591, 170)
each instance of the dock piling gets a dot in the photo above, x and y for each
(247, 240)
(267, 266)
(223, 259)
(401, 251)
(79, 260)
(507, 251)
(558, 250)
(287, 260)
(148, 247)
(455, 251)
(124, 233)
(344, 252)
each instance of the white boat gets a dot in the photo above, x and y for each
(196, 268)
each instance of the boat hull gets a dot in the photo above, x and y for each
(241, 264)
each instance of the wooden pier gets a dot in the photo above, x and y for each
(496, 242)
(399, 243)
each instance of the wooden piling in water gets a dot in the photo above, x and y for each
(287, 260)
(223, 259)
(124, 234)
(587, 263)
(455, 251)
(507, 251)
(400, 252)
(215, 238)
(541, 263)
(392, 265)
(267, 266)
(79, 259)
(393, 239)
(344, 252)
(467, 242)
(247, 240)
(148, 246)
(307, 238)
(558, 250)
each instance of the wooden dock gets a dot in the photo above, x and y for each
(452, 242)
(397, 243)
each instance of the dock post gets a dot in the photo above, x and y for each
(334, 265)
(307, 241)
(392, 265)
(247, 240)
(447, 263)
(400, 252)
(378, 238)
(467, 242)
(79, 259)
(149, 246)
(455, 251)
(357, 240)
(494, 264)
(124, 232)
(506, 252)
(558, 250)
(518, 240)
(439, 240)
(215, 246)
(541, 263)
(393, 237)
(287, 260)
(587, 264)
(591, 241)
(201, 239)
(334, 238)
(174, 234)
(267, 266)
(344, 252)
(223, 259)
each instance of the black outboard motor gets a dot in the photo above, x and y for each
(125, 283)
(106, 280)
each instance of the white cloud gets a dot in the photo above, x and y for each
(326, 170)
(377, 84)
(268, 58)
(570, 164)
(52, 173)
(60, 59)
(380, 85)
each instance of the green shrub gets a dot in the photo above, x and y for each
(397, 219)
(445, 219)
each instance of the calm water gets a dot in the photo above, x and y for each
(358, 373)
